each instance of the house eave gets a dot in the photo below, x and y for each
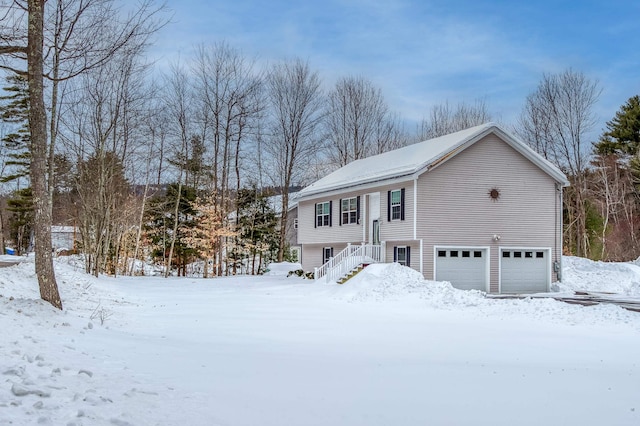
(362, 185)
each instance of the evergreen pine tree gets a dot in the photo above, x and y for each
(622, 136)
(159, 225)
(257, 226)
(21, 222)
(16, 112)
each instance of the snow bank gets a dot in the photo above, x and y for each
(392, 281)
(283, 268)
(614, 277)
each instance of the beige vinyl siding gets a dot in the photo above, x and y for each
(455, 208)
(414, 261)
(396, 229)
(308, 234)
(312, 254)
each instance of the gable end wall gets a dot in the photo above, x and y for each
(454, 206)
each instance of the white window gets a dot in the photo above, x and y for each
(323, 213)
(349, 210)
(295, 223)
(396, 205)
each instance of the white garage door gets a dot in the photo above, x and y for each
(464, 268)
(524, 271)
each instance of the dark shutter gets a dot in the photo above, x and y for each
(408, 256)
(388, 206)
(395, 253)
(315, 215)
(330, 212)
(340, 212)
(402, 204)
(358, 209)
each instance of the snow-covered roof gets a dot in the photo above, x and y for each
(63, 229)
(275, 201)
(415, 159)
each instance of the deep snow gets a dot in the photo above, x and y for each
(387, 348)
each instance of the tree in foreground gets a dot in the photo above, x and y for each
(80, 35)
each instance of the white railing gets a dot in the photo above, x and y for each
(348, 259)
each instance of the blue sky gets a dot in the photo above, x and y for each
(423, 53)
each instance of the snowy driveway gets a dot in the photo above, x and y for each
(275, 352)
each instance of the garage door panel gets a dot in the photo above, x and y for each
(524, 271)
(464, 268)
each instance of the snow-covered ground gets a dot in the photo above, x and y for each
(387, 348)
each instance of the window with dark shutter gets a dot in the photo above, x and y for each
(396, 204)
(323, 214)
(401, 255)
(349, 210)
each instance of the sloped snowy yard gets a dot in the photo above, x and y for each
(387, 348)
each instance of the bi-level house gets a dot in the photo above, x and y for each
(477, 208)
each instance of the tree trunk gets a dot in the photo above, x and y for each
(39, 153)
(175, 229)
(1, 233)
(284, 217)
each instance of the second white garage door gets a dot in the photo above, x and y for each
(464, 268)
(524, 270)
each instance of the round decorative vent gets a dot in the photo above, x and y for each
(494, 194)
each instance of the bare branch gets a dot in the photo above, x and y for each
(6, 50)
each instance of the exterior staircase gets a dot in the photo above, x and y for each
(352, 258)
(352, 273)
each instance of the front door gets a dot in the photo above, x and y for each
(376, 232)
(374, 218)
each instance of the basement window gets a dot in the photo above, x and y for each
(401, 255)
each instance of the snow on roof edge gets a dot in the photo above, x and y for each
(467, 137)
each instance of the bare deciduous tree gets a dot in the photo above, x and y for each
(27, 29)
(228, 92)
(555, 120)
(16, 15)
(296, 107)
(358, 121)
(611, 191)
(444, 119)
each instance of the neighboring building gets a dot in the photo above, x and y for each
(64, 237)
(275, 202)
(478, 208)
